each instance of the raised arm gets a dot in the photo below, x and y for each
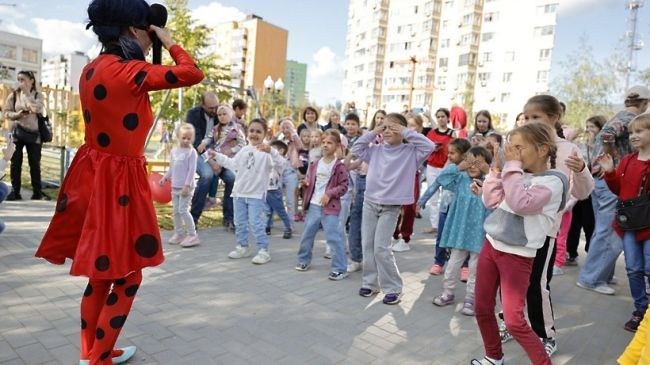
(362, 147)
(423, 146)
(493, 193)
(148, 77)
(521, 199)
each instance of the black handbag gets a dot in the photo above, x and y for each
(634, 214)
(44, 128)
(24, 135)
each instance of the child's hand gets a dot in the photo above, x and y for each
(186, 191)
(605, 161)
(484, 167)
(304, 183)
(396, 128)
(211, 153)
(477, 187)
(324, 200)
(464, 164)
(264, 148)
(511, 153)
(575, 163)
(379, 129)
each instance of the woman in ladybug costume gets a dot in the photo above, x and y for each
(104, 220)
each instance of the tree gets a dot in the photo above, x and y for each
(587, 86)
(195, 40)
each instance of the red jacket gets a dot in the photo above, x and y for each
(630, 171)
(336, 187)
(439, 158)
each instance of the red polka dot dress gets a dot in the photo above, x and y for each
(104, 220)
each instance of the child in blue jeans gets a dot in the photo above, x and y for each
(274, 202)
(391, 168)
(325, 184)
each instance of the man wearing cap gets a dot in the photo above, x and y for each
(605, 247)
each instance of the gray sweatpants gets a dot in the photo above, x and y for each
(377, 227)
(182, 212)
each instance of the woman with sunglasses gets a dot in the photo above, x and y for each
(22, 107)
(104, 220)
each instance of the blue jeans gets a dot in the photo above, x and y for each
(290, 184)
(605, 245)
(637, 265)
(250, 212)
(274, 204)
(356, 212)
(202, 187)
(332, 228)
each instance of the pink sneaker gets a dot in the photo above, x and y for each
(435, 270)
(176, 239)
(191, 241)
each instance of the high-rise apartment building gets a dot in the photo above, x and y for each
(17, 53)
(253, 50)
(295, 81)
(479, 54)
(64, 70)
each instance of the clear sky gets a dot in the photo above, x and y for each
(317, 30)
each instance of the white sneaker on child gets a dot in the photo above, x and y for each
(262, 257)
(328, 252)
(240, 252)
(354, 266)
(191, 241)
(401, 246)
(176, 239)
(486, 361)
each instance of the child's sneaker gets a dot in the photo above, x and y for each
(468, 307)
(354, 266)
(634, 322)
(505, 335)
(287, 234)
(486, 361)
(443, 300)
(302, 267)
(401, 246)
(550, 346)
(464, 274)
(436, 270)
(367, 292)
(209, 203)
(240, 252)
(191, 241)
(336, 276)
(268, 231)
(262, 257)
(557, 271)
(176, 239)
(392, 298)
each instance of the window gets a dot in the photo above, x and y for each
(358, 68)
(505, 97)
(467, 20)
(416, 9)
(428, 7)
(510, 56)
(8, 73)
(7, 51)
(487, 37)
(444, 62)
(426, 26)
(30, 55)
(408, 45)
(491, 17)
(399, 29)
(467, 59)
(360, 83)
(484, 77)
(444, 25)
(468, 39)
(542, 76)
(543, 31)
(442, 80)
(444, 43)
(546, 9)
(544, 54)
(448, 4)
(487, 57)
(507, 76)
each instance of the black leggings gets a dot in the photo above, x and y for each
(583, 218)
(34, 159)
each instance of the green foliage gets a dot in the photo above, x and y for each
(194, 39)
(588, 86)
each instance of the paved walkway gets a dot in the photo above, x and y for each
(199, 307)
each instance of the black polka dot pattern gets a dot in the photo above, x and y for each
(103, 139)
(105, 355)
(102, 263)
(83, 324)
(117, 322)
(99, 333)
(89, 290)
(89, 74)
(146, 246)
(100, 92)
(123, 201)
(130, 291)
(130, 121)
(62, 203)
(87, 116)
(170, 77)
(139, 77)
(112, 299)
(120, 281)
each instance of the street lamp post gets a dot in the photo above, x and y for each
(275, 87)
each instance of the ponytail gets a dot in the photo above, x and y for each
(559, 130)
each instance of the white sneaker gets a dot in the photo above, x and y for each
(176, 239)
(557, 271)
(328, 252)
(240, 252)
(393, 241)
(354, 266)
(601, 289)
(262, 257)
(401, 246)
(191, 241)
(127, 354)
(486, 361)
